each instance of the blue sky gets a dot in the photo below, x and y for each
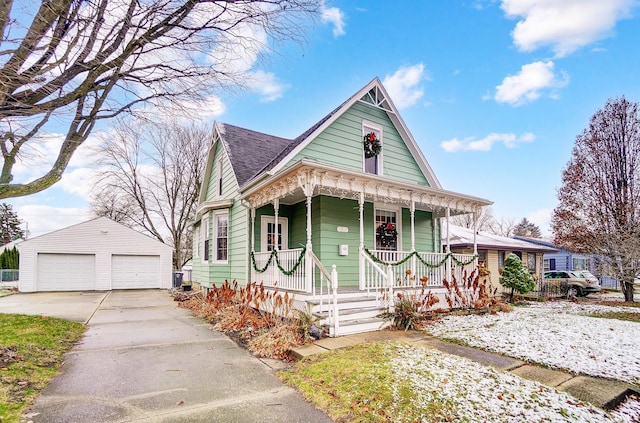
(494, 92)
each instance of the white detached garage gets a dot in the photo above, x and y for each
(96, 255)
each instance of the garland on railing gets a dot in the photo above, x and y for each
(415, 253)
(274, 253)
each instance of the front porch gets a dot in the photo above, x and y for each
(383, 274)
(333, 271)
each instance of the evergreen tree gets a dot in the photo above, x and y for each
(515, 276)
(9, 259)
(10, 229)
(527, 228)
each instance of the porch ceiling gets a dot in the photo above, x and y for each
(307, 177)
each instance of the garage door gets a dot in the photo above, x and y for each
(66, 272)
(130, 272)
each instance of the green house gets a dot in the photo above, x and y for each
(345, 213)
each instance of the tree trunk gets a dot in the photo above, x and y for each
(627, 290)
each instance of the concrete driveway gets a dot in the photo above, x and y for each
(143, 359)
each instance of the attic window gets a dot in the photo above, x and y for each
(372, 164)
(219, 175)
(376, 97)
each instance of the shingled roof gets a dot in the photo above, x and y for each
(252, 152)
(249, 151)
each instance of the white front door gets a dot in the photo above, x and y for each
(268, 233)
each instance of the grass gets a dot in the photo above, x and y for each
(32, 348)
(620, 315)
(351, 384)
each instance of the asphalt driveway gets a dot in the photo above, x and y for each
(143, 359)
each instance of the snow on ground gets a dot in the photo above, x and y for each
(475, 393)
(558, 335)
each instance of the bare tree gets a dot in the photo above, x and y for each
(79, 62)
(484, 220)
(504, 227)
(527, 228)
(150, 179)
(599, 200)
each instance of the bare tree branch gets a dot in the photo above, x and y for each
(82, 61)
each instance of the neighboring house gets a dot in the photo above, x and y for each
(562, 259)
(99, 254)
(346, 200)
(493, 249)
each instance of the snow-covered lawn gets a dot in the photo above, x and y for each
(556, 334)
(475, 393)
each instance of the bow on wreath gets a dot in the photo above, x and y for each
(372, 145)
(387, 234)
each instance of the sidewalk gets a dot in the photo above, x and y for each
(599, 392)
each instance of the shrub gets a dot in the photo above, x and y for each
(515, 276)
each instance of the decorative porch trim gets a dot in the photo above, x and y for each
(274, 253)
(415, 254)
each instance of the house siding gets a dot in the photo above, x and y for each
(345, 135)
(210, 272)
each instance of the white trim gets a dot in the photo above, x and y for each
(388, 208)
(283, 222)
(368, 126)
(214, 254)
(219, 180)
(393, 115)
(205, 229)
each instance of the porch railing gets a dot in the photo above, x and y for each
(409, 270)
(284, 268)
(327, 291)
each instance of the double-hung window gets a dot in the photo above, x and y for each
(221, 236)
(205, 238)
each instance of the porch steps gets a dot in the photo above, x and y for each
(356, 314)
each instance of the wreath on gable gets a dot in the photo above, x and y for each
(387, 234)
(372, 145)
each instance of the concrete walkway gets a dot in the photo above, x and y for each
(143, 359)
(600, 392)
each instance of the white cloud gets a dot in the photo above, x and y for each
(79, 181)
(542, 218)
(486, 143)
(404, 85)
(334, 16)
(267, 85)
(565, 25)
(529, 84)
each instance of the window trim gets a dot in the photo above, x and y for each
(219, 176)
(206, 230)
(368, 126)
(284, 225)
(388, 208)
(214, 257)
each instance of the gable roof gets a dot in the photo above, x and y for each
(253, 153)
(250, 152)
(374, 94)
(97, 225)
(463, 237)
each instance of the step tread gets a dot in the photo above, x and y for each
(349, 311)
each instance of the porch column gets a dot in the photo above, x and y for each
(361, 276)
(253, 241)
(475, 233)
(276, 232)
(448, 267)
(310, 286)
(412, 212)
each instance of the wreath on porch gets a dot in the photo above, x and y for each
(387, 234)
(372, 145)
